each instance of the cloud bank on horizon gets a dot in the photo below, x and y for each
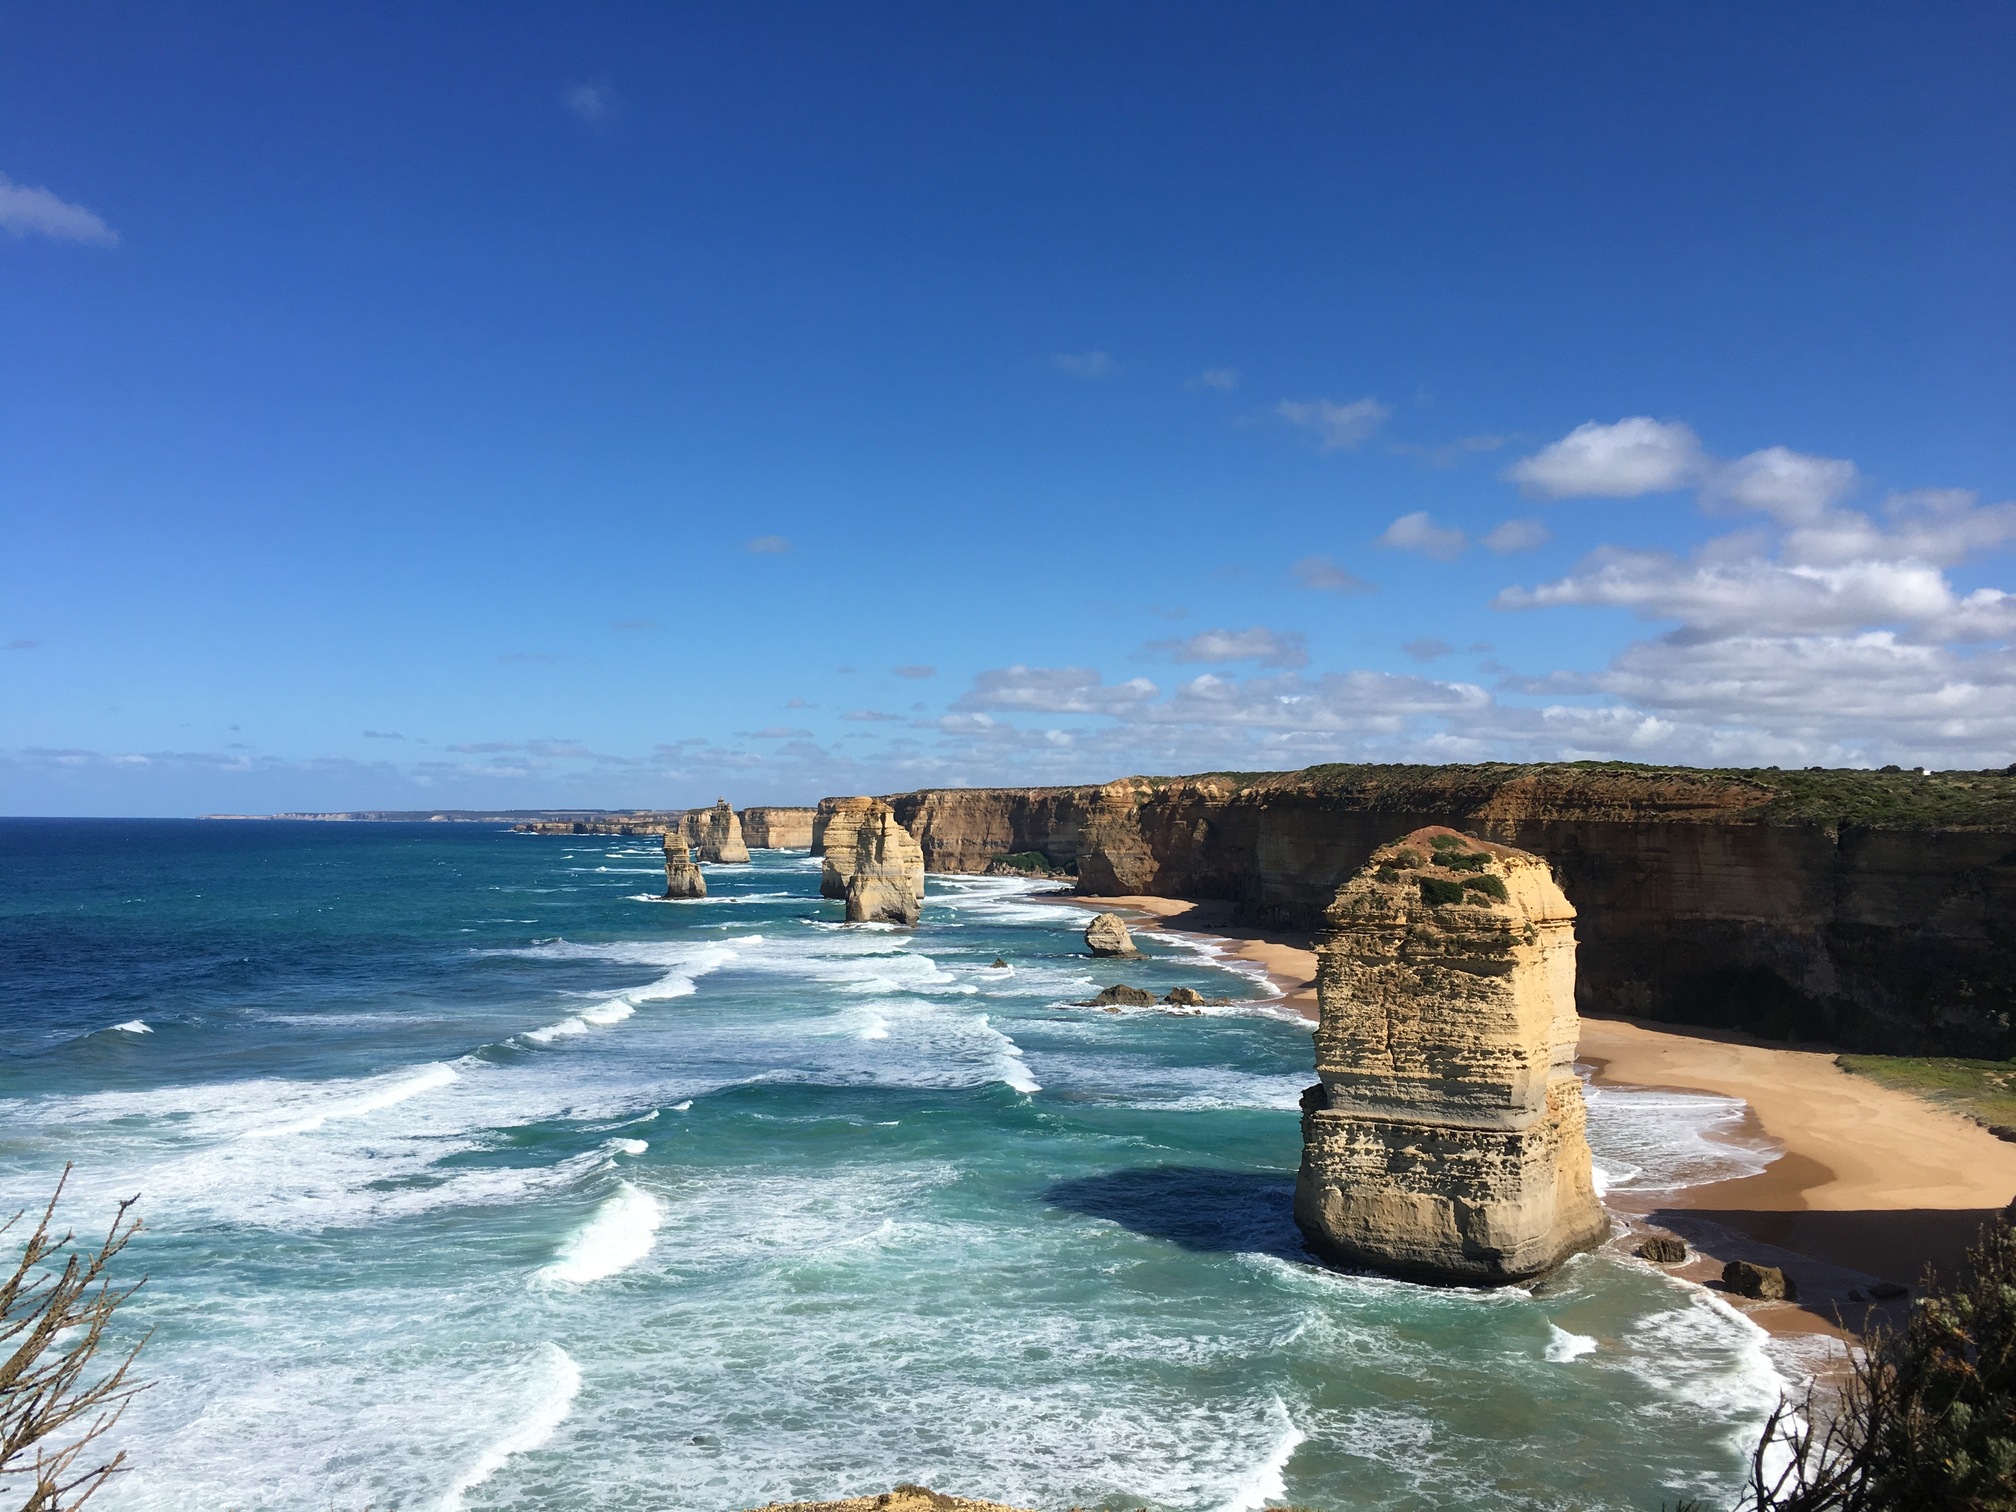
(609, 409)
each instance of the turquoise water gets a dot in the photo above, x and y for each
(475, 1177)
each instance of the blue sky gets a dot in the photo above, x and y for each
(609, 405)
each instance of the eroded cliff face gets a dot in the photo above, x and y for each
(1703, 900)
(772, 828)
(1445, 1141)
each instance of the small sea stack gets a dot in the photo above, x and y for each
(1107, 935)
(719, 837)
(682, 877)
(1445, 1141)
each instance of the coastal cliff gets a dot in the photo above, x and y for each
(1875, 909)
(1445, 1140)
(769, 827)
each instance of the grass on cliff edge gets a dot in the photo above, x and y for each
(1981, 1089)
(1900, 799)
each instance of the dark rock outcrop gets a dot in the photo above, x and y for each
(1765, 1283)
(1120, 995)
(1663, 1249)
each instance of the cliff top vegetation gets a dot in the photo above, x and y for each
(1891, 798)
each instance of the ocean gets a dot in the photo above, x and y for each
(474, 1176)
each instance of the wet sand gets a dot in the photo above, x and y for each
(1869, 1183)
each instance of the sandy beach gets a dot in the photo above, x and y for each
(1869, 1184)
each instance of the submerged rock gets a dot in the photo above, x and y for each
(999, 965)
(1107, 935)
(682, 877)
(1663, 1249)
(1766, 1283)
(885, 881)
(1445, 1142)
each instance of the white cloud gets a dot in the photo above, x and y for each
(1270, 648)
(870, 716)
(1085, 364)
(1224, 379)
(1051, 690)
(1325, 576)
(37, 212)
(1416, 532)
(1517, 535)
(1338, 427)
(1788, 485)
(1427, 648)
(916, 671)
(594, 103)
(1622, 461)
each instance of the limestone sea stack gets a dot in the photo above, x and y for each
(833, 833)
(888, 880)
(720, 835)
(1445, 1142)
(1107, 935)
(682, 877)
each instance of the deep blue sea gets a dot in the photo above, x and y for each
(474, 1176)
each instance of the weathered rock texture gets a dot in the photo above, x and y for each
(835, 825)
(1107, 935)
(682, 877)
(1874, 909)
(887, 883)
(716, 834)
(773, 828)
(1445, 1142)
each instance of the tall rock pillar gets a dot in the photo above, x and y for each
(682, 877)
(871, 861)
(1445, 1142)
(720, 834)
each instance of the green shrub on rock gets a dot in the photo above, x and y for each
(1490, 886)
(1435, 891)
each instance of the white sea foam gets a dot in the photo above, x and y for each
(1653, 1140)
(629, 1146)
(1267, 1482)
(133, 1026)
(617, 1237)
(553, 1396)
(385, 1093)
(1563, 1346)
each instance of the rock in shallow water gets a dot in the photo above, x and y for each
(1765, 1283)
(1662, 1249)
(1120, 995)
(1107, 935)
(1446, 1141)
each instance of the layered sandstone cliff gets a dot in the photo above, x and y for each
(770, 827)
(871, 861)
(682, 877)
(1874, 909)
(1445, 1141)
